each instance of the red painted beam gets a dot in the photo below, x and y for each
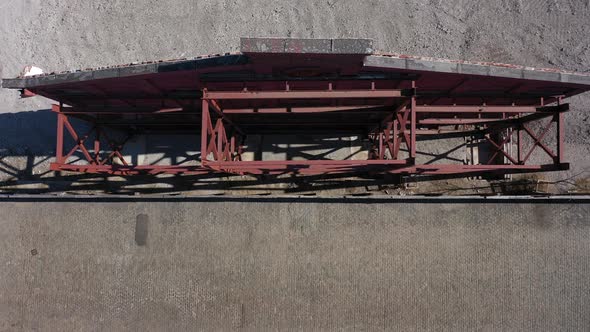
(130, 170)
(442, 122)
(476, 109)
(446, 169)
(442, 169)
(312, 94)
(304, 110)
(260, 163)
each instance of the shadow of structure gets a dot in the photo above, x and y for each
(27, 147)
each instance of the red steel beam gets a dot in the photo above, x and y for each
(131, 170)
(476, 109)
(81, 110)
(455, 121)
(437, 169)
(413, 125)
(311, 94)
(446, 169)
(279, 110)
(260, 163)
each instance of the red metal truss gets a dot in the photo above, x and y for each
(401, 126)
(223, 159)
(99, 159)
(222, 144)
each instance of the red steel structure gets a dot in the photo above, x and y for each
(330, 87)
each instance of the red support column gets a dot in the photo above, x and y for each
(381, 148)
(219, 132)
(232, 147)
(395, 138)
(560, 139)
(519, 145)
(559, 119)
(204, 129)
(413, 125)
(97, 145)
(59, 150)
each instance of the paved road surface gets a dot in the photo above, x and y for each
(365, 264)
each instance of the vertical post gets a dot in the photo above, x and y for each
(519, 145)
(395, 137)
(381, 150)
(413, 124)
(240, 148)
(59, 150)
(204, 129)
(559, 117)
(220, 138)
(97, 145)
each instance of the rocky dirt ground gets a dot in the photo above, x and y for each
(63, 35)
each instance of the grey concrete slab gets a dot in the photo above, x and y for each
(505, 72)
(306, 45)
(543, 75)
(264, 264)
(352, 46)
(472, 69)
(297, 45)
(386, 62)
(576, 79)
(262, 45)
(423, 65)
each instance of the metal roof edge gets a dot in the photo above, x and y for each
(475, 68)
(124, 71)
(253, 45)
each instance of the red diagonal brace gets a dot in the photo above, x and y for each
(538, 141)
(79, 142)
(500, 148)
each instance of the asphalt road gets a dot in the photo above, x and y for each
(218, 263)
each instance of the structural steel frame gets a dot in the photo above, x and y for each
(404, 124)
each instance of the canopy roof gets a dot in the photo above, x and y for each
(271, 63)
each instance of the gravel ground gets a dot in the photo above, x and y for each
(61, 35)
